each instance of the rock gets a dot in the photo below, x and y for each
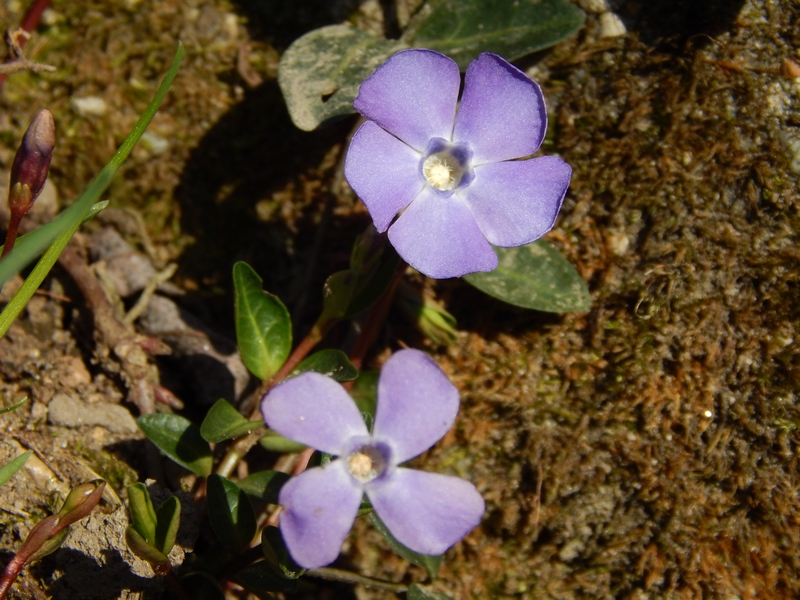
(69, 411)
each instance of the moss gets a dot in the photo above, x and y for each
(117, 473)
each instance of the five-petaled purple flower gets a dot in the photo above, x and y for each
(449, 169)
(417, 405)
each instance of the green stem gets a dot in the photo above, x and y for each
(242, 446)
(346, 576)
(34, 280)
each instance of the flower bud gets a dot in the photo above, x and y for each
(32, 162)
(80, 501)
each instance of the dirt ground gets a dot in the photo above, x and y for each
(644, 449)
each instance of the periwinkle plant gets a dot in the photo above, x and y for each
(449, 179)
(416, 406)
(449, 170)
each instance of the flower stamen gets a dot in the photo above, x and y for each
(443, 171)
(366, 463)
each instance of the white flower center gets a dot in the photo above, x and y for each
(443, 171)
(366, 463)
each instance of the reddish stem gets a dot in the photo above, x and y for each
(40, 533)
(11, 234)
(375, 319)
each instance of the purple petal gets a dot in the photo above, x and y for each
(438, 236)
(383, 172)
(426, 512)
(502, 113)
(417, 404)
(517, 202)
(412, 95)
(319, 507)
(314, 410)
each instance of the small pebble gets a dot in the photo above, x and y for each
(90, 106)
(155, 143)
(611, 26)
(72, 371)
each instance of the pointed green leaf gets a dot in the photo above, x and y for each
(275, 442)
(139, 546)
(430, 563)
(179, 439)
(462, 29)
(168, 520)
(277, 554)
(351, 292)
(264, 485)
(419, 592)
(320, 72)
(262, 579)
(50, 545)
(143, 515)
(333, 363)
(534, 276)
(263, 325)
(426, 314)
(13, 407)
(8, 470)
(231, 514)
(365, 392)
(223, 422)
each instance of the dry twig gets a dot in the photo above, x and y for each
(16, 60)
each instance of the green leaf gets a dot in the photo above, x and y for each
(333, 363)
(179, 439)
(231, 514)
(168, 520)
(263, 325)
(223, 422)
(55, 235)
(139, 546)
(419, 592)
(8, 470)
(351, 292)
(264, 485)
(143, 515)
(534, 276)
(277, 554)
(275, 442)
(13, 407)
(427, 314)
(463, 29)
(262, 579)
(320, 73)
(365, 392)
(430, 563)
(50, 545)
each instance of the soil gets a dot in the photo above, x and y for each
(646, 448)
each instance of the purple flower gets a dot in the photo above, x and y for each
(417, 405)
(449, 169)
